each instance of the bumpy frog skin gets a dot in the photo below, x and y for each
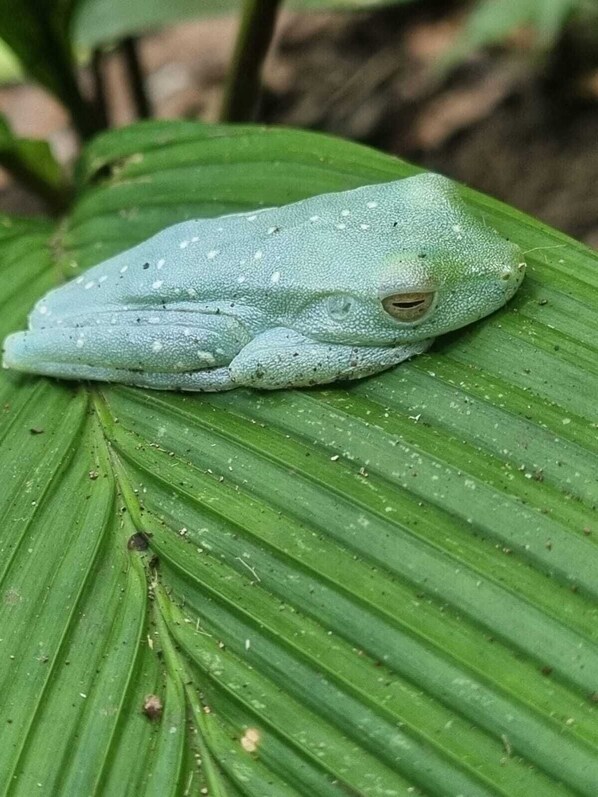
(335, 287)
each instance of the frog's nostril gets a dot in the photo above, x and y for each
(513, 272)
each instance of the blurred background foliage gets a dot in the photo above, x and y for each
(368, 71)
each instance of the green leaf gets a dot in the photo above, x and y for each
(492, 21)
(387, 587)
(31, 161)
(38, 33)
(101, 21)
(9, 66)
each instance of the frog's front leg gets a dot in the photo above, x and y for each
(283, 358)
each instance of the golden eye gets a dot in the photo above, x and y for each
(408, 307)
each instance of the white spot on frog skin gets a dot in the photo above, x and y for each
(314, 218)
(89, 285)
(251, 218)
(341, 226)
(271, 230)
(157, 284)
(275, 277)
(79, 280)
(153, 320)
(258, 255)
(186, 332)
(156, 346)
(195, 239)
(123, 269)
(80, 343)
(183, 244)
(160, 263)
(345, 212)
(372, 205)
(207, 356)
(212, 254)
(456, 227)
(43, 310)
(191, 292)
(241, 279)
(103, 278)
(364, 226)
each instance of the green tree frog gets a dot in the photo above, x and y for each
(338, 286)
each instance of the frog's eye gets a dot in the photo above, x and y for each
(409, 307)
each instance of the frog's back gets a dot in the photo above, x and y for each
(327, 242)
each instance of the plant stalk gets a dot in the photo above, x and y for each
(243, 86)
(140, 97)
(99, 87)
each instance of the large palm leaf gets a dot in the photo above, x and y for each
(381, 588)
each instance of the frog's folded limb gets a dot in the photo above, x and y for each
(208, 380)
(275, 359)
(92, 352)
(282, 357)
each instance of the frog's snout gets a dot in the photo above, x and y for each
(511, 277)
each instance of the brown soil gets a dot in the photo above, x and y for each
(519, 126)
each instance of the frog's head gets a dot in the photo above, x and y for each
(426, 266)
(425, 294)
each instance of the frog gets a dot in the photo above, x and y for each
(334, 287)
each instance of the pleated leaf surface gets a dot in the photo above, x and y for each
(386, 587)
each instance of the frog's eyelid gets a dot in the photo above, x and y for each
(410, 307)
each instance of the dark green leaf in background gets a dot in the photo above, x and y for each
(492, 21)
(32, 162)
(97, 22)
(39, 34)
(382, 588)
